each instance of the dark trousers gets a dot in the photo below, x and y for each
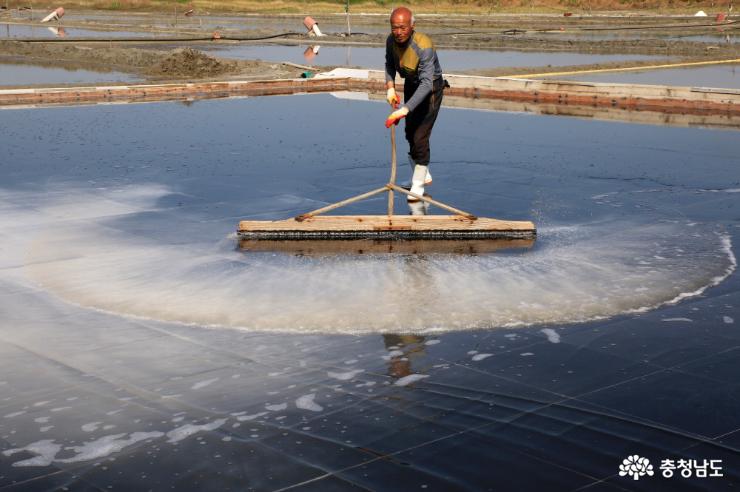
(420, 121)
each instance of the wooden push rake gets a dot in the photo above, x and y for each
(313, 226)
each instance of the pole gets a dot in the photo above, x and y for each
(308, 215)
(392, 181)
(346, 9)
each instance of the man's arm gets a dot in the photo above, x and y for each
(426, 77)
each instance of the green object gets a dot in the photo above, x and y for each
(307, 75)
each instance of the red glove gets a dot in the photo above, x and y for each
(396, 116)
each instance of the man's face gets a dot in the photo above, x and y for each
(401, 28)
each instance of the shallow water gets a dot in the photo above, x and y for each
(719, 38)
(139, 347)
(15, 74)
(54, 30)
(722, 76)
(705, 36)
(449, 59)
(583, 267)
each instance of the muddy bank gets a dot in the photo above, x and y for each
(152, 64)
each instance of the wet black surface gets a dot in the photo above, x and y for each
(114, 216)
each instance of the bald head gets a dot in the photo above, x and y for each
(402, 24)
(401, 14)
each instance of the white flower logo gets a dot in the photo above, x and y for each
(636, 467)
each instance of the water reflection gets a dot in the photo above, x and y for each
(323, 248)
(59, 32)
(310, 53)
(41, 31)
(418, 208)
(403, 351)
(373, 57)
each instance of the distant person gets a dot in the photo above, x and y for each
(412, 55)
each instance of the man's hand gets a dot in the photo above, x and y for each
(392, 98)
(396, 116)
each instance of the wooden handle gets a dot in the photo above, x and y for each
(393, 170)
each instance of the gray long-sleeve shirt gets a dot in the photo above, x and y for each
(415, 60)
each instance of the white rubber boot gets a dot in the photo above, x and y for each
(427, 179)
(417, 182)
(418, 208)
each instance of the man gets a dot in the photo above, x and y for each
(411, 54)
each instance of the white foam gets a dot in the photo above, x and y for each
(46, 451)
(306, 402)
(411, 378)
(479, 357)
(277, 408)
(725, 190)
(728, 320)
(91, 427)
(577, 273)
(188, 430)
(243, 418)
(344, 376)
(203, 384)
(107, 445)
(552, 335)
(726, 245)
